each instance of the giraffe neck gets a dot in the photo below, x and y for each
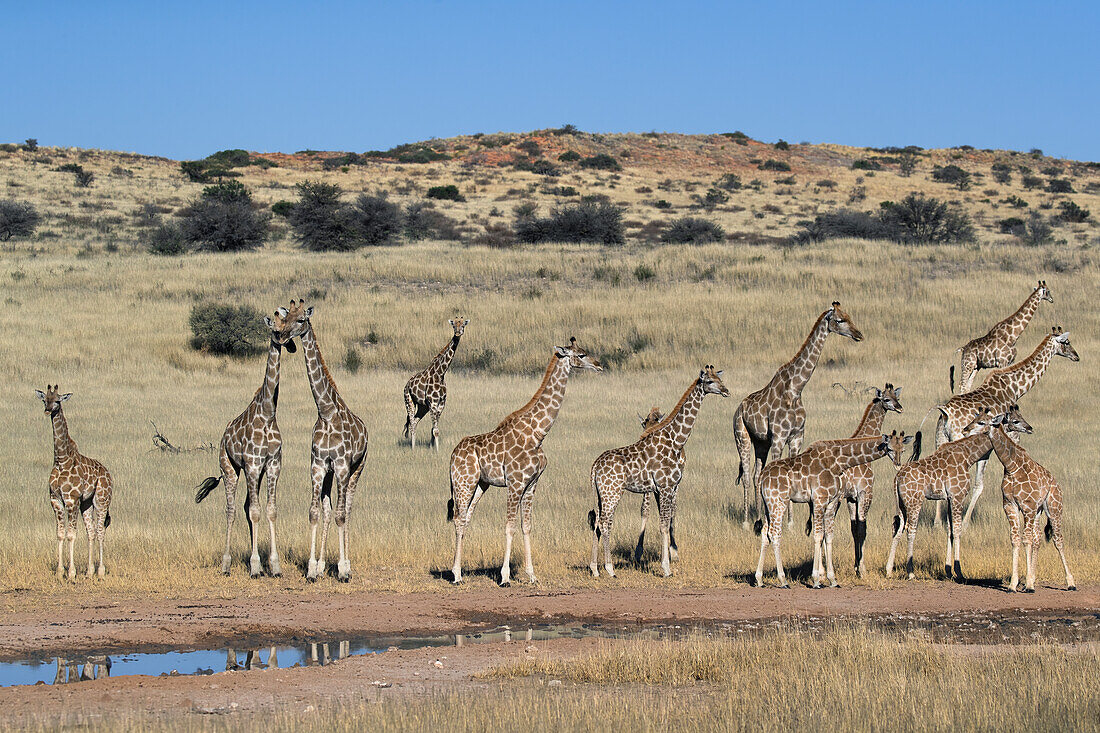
(443, 360)
(972, 448)
(797, 372)
(1018, 379)
(1005, 447)
(268, 394)
(855, 451)
(64, 448)
(677, 426)
(320, 381)
(873, 418)
(542, 409)
(1017, 322)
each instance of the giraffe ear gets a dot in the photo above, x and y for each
(270, 323)
(41, 395)
(719, 373)
(65, 396)
(878, 393)
(466, 322)
(907, 440)
(283, 312)
(897, 391)
(308, 312)
(561, 351)
(451, 321)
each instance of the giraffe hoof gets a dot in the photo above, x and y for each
(785, 586)
(311, 578)
(1029, 590)
(345, 578)
(1072, 587)
(505, 584)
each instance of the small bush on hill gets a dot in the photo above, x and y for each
(224, 219)
(1031, 182)
(907, 163)
(1071, 212)
(375, 220)
(167, 239)
(320, 220)
(569, 156)
(782, 144)
(922, 220)
(227, 329)
(1036, 232)
(1010, 225)
(17, 219)
(1059, 185)
(601, 161)
(588, 221)
(714, 197)
(866, 165)
(282, 208)
(774, 165)
(30, 144)
(424, 222)
(690, 230)
(448, 192)
(728, 182)
(952, 174)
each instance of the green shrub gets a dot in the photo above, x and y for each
(228, 329)
(30, 144)
(728, 182)
(17, 219)
(424, 222)
(224, 219)
(907, 163)
(662, 204)
(1059, 185)
(167, 239)
(448, 192)
(644, 272)
(952, 174)
(601, 161)
(782, 144)
(569, 156)
(714, 197)
(84, 178)
(690, 230)
(376, 221)
(1031, 182)
(826, 183)
(282, 208)
(589, 221)
(531, 147)
(774, 165)
(1071, 212)
(866, 165)
(922, 220)
(320, 220)
(1016, 202)
(352, 360)
(1036, 231)
(1010, 225)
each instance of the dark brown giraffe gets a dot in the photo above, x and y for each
(426, 391)
(773, 417)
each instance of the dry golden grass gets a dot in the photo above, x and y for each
(113, 330)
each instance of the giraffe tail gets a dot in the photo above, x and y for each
(593, 514)
(809, 523)
(758, 527)
(450, 510)
(206, 487)
(107, 522)
(592, 522)
(1048, 531)
(916, 447)
(952, 373)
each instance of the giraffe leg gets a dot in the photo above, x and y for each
(410, 410)
(666, 508)
(465, 491)
(1054, 511)
(955, 514)
(437, 412)
(1029, 549)
(829, 525)
(1013, 514)
(761, 449)
(70, 533)
(526, 509)
(88, 514)
(817, 517)
(515, 492)
(746, 470)
(274, 466)
(230, 474)
(252, 478)
(912, 515)
(763, 550)
(343, 568)
(103, 505)
(59, 513)
(979, 486)
(794, 447)
(607, 520)
(326, 522)
(775, 530)
(321, 478)
(638, 549)
(900, 524)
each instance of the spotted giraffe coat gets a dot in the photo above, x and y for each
(426, 391)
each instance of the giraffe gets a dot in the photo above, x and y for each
(337, 456)
(998, 347)
(858, 482)
(426, 391)
(942, 475)
(1001, 389)
(511, 456)
(814, 477)
(652, 464)
(773, 417)
(650, 421)
(1027, 489)
(78, 484)
(252, 443)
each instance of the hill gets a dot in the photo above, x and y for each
(756, 191)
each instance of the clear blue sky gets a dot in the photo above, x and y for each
(187, 80)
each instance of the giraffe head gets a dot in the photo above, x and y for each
(289, 323)
(889, 397)
(651, 420)
(459, 325)
(577, 357)
(712, 381)
(51, 399)
(1062, 346)
(1044, 291)
(893, 444)
(1012, 422)
(840, 322)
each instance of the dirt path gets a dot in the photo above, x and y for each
(208, 623)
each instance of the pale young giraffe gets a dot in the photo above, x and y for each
(814, 477)
(1028, 489)
(652, 464)
(78, 485)
(511, 456)
(648, 422)
(773, 417)
(1001, 389)
(252, 443)
(426, 391)
(998, 347)
(858, 482)
(337, 456)
(944, 475)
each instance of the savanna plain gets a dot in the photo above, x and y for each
(111, 327)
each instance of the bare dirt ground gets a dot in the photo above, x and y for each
(158, 624)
